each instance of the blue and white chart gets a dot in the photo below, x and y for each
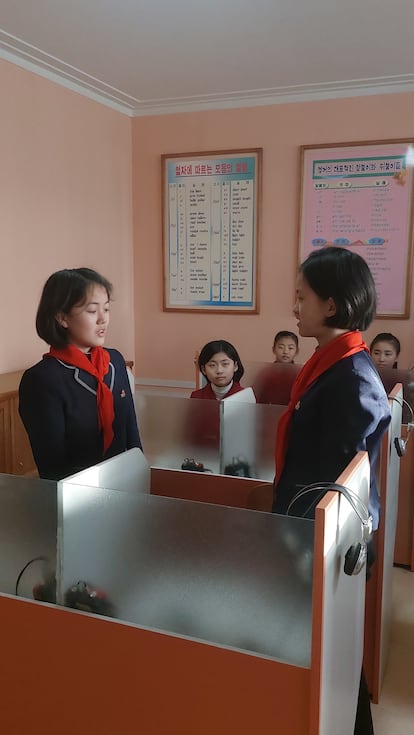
(210, 231)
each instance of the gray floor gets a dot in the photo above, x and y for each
(394, 714)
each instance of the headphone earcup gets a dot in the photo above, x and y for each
(355, 558)
(400, 446)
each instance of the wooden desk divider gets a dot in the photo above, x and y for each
(235, 492)
(64, 669)
(404, 540)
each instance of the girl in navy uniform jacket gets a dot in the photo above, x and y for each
(338, 405)
(76, 403)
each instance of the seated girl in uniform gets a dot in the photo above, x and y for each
(220, 364)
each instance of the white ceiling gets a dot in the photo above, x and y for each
(157, 56)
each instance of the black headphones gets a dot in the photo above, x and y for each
(400, 444)
(356, 556)
(45, 590)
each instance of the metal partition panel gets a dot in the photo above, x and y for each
(271, 381)
(28, 529)
(223, 575)
(128, 471)
(388, 522)
(341, 599)
(252, 370)
(390, 377)
(174, 429)
(248, 436)
(216, 434)
(404, 540)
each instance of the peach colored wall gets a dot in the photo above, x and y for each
(65, 201)
(166, 342)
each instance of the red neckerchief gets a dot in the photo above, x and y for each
(97, 366)
(323, 358)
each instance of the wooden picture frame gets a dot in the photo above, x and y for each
(211, 205)
(360, 195)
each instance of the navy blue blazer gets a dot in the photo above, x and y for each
(343, 412)
(57, 404)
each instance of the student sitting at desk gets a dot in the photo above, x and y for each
(384, 349)
(273, 383)
(285, 347)
(220, 364)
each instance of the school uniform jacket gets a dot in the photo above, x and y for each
(58, 407)
(343, 412)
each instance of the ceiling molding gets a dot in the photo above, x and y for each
(37, 61)
(279, 96)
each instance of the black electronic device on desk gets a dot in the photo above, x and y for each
(41, 579)
(80, 596)
(85, 597)
(239, 467)
(191, 465)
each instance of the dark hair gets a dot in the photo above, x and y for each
(387, 337)
(345, 277)
(220, 345)
(62, 291)
(285, 333)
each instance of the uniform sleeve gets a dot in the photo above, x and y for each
(355, 417)
(42, 412)
(133, 438)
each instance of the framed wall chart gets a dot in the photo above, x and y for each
(210, 204)
(360, 196)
